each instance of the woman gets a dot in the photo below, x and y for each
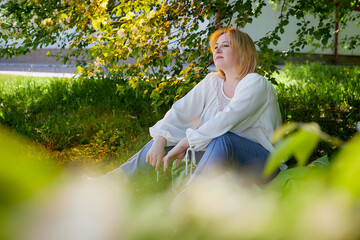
(228, 118)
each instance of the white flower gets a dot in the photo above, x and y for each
(151, 14)
(33, 19)
(99, 62)
(62, 25)
(4, 31)
(135, 30)
(130, 15)
(121, 33)
(147, 28)
(46, 21)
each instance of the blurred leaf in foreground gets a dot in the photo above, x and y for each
(346, 169)
(300, 144)
(24, 171)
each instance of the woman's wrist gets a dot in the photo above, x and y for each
(160, 140)
(185, 143)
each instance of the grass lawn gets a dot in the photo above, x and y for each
(10, 83)
(85, 123)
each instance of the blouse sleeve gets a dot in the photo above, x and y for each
(250, 100)
(183, 114)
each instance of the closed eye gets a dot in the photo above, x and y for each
(224, 45)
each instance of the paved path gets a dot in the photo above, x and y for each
(48, 70)
(37, 70)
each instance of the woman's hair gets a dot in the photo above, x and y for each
(243, 44)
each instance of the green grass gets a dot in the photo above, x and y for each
(10, 83)
(85, 122)
(328, 95)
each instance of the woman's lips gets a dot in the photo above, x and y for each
(218, 57)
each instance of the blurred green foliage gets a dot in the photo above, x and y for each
(25, 169)
(310, 202)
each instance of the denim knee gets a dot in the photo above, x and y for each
(239, 150)
(224, 139)
(220, 150)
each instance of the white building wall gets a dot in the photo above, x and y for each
(350, 30)
(269, 19)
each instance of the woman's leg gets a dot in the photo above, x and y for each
(137, 163)
(231, 150)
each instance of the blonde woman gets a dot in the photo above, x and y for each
(227, 119)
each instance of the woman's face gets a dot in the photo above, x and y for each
(224, 56)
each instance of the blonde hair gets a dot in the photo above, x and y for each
(243, 45)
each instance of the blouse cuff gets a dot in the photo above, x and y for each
(171, 141)
(196, 141)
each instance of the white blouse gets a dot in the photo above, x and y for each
(253, 113)
(222, 98)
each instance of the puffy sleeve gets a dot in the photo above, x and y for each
(184, 114)
(251, 98)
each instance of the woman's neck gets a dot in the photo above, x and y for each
(232, 76)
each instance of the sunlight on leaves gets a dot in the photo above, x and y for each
(299, 144)
(346, 169)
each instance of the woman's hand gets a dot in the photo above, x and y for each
(177, 152)
(155, 154)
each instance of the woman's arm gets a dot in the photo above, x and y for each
(249, 102)
(183, 114)
(177, 152)
(156, 153)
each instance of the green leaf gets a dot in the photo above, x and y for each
(168, 59)
(346, 167)
(146, 9)
(307, 142)
(324, 41)
(284, 130)
(299, 144)
(281, 154)
(118, 11)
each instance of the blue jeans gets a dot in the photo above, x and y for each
(228, 150)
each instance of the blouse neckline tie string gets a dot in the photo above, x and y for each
(189, 156)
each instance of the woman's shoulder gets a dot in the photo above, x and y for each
(257, 79)
(211, 79)
(254, 76)
(212, 76)
(254, 81)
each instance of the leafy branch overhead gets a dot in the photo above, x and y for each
(167, 41)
